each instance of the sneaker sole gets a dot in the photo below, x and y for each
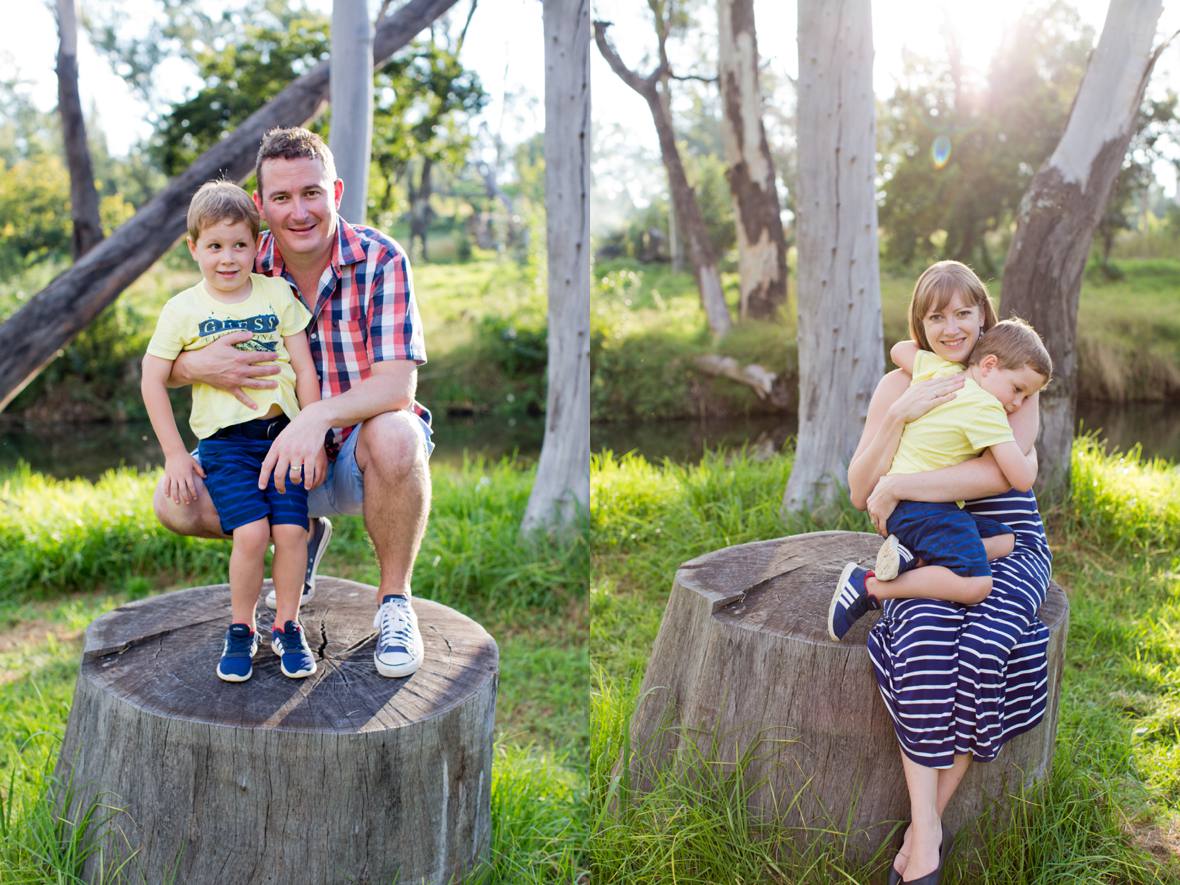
(230, 677)
(397, 672)
(835, 598)
(888, 560)
(300, 675)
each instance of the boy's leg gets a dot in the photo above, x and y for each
(932, 582)
(287, 569)
(246, 564)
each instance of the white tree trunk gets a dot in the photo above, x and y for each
(762, 247)
(1062, 208)
(351, 84)
(561, 492)
(839, 296)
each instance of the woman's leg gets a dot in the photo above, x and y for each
(925, 820)
(948, 781)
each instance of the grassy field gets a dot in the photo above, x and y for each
(71, 550)
(1108, 813)
(647, 326)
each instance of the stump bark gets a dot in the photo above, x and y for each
(345, 776)
(743, 666)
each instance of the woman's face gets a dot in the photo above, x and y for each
(953, 329)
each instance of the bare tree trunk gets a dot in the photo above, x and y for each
(351, 84)
(688, 212)
(83, 195)
(561, 492)
(762, 247)
(420, 207)
(33, 335)
(1063, 205)
(839, 295)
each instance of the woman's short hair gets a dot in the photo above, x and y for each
(217, 201)
(937, 285)
(1015, 344)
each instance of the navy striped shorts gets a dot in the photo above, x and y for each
(945, 534)
(232, 459)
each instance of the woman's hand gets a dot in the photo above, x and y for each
(882, 501)
(920, 398)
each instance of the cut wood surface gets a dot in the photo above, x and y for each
(743, 662)
(345, 776)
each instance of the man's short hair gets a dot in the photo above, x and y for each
(1015, 345)
(217, 201)
(295, 143)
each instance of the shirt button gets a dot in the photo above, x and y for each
(314, 335)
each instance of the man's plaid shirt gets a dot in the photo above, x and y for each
(364, 311)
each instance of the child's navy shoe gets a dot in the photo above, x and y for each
(892, 559)
(237, 655)
(850, 601)
(295, 658)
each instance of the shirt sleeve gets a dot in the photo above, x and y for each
(293, 316)
(395, 329)
(168, 339)
(989, 426)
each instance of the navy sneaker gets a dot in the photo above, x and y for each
(399, 644)
(295, 658)
(850, 601)
(237, 655)
(317, 543)
(893, 559)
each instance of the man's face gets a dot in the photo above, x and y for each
(299, 203)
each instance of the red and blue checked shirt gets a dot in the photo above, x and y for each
(364, 311)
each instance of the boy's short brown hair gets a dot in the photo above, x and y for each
(937, 285)
(1015, 344)
(217, 201)
(293, 144)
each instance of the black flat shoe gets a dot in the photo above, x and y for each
(931, 878)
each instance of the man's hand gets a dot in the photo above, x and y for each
(297, 453)
(882, 502)
(179, 482)
(222, 365)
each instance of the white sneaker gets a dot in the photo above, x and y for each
(317, 543)
(399, 644)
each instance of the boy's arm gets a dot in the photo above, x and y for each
(903, 354)
(179, 465)
(1017, 467)
(307, 388)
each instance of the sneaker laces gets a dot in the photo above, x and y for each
(239, 643)
(396, 629)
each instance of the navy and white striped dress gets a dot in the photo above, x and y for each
(966, 679)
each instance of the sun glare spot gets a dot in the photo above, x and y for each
(940, 151)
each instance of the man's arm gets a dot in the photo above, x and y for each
(222, 365)
(389, 388)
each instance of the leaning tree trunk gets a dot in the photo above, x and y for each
(83, 195)
(561, 492)
(1063, 205)
(762, 247)
(351, 84)
(839, 295)
(690, 221)
(32, 336)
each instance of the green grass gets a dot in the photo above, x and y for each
(647, 326)
(75, 549)
(1109, 810)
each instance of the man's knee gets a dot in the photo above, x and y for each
(197, 518)
(391, 443)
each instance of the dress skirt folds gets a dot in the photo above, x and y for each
(966, 679)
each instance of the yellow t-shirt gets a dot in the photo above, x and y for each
(953, 431)
(194, 318)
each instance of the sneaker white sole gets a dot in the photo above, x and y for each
(301, 675)
(397, 671)
(230, 677)
(836, 598)
(888, 560)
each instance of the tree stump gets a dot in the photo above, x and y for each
(345, 776)
(743, 664)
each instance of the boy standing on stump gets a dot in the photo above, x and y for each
(365, 444)
(235, 438)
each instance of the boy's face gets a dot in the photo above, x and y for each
(225, 253)
(299, 202)
(1010, 386)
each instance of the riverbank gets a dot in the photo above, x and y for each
(1109, 811)
(647, 330)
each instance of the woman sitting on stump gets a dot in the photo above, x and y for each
(945, 714)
